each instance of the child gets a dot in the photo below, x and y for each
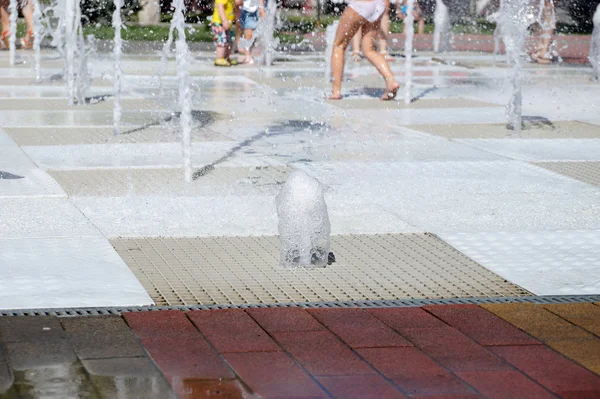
(223, 32)
(417, 14)
(249, 22)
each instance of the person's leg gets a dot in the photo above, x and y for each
(356, 46)
(27, 10)
(420, 21)
(220, 45)
(378, 61)
(349, 24)
(384, 33)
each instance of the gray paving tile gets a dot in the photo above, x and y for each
(27, 329)
(98, 337)
(6, 377)
(29, 355)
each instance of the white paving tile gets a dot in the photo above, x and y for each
(540, 150)
(65, 273)
(543, 262)
(34, 182)
(42, 217)
(124, 155)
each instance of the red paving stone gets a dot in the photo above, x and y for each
(414, 372)
(284, 319)
(274, 375)
(358, 328)
(550, 369)
(322, 353)
(187, 358)
(232, 330)
(401, 318)
(504, 385)
(160, 324)
(454, 350)
(482, 326)
(360, 387)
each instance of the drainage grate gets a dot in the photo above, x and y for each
(587, 172)
(245, 270)
(535, 130)
(537, 300)
(169, 182)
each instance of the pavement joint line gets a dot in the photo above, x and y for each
(115, 310)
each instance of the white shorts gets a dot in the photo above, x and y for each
(371, 10)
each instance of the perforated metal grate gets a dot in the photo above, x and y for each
(245, 270)
(587, 172)
(169, 182)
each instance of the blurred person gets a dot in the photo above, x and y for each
(417, 14)
(545, 25)
(251, 9)
(26, 7)
(366, 16)
(383, 36)
(222, 28)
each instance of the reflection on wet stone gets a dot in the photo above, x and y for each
(217, 389)
(57, 381)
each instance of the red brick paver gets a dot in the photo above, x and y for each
(360, 386)
(232, 330)
(507, 384)
(358, 328)
(285, 319)
(161, 324)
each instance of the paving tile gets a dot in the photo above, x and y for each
(213, 389)
(537, 321)
(555, 372)
(584, 315)
(6, 377)
(400, 318)
(135, 377)
(187, 358)
(96, 337)
(360, 387)
(232, 330)
(465, 396)
(481, 325)
(507, 384)
(454, 350)
(27, 329)
(274, 375)
(584, 352)
(358, 328)
(284, 319)
(414, 372)
(160, 324)
(322, 353)
(28, 355)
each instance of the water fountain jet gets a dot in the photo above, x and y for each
(441, 32)
(594, 55)
(12, 41)
(117, 72)
(409, 31)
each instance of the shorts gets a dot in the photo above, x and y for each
(371, 10)
(249, 20)
(222, 37)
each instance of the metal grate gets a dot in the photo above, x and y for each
(169, 182)
(534, 130)
(245, 270)
(587, 172)
(538, 300)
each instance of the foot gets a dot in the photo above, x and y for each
(4, 44)
(335, 96)
(356, 57)
(222, 62)
(391, 91)
(27, 41)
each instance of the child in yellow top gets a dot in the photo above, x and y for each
(222, 29)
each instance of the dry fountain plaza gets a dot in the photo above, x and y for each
(467, 259)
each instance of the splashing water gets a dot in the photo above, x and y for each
(514, 22)
(37, 38)
(83, 79)
(117, 72)
(441, 32)
(268, 38)
(330, 32)
(408, 50)
(70, 43)
(595, 46)
(185, 95)
(12, 41)
(162, 70)
(304, 228)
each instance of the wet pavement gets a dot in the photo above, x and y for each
(466, 351)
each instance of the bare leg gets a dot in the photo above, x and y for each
(5, 19)
(27, 41)
(350, 23)
(356, 46)
(384, 32)
(378, 60)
